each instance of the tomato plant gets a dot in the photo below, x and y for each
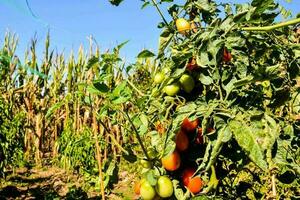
(236, 102)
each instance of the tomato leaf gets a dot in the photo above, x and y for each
(205, 80)
(247, 140)
(178, 192)
(101, 87)
(145, 54)
(151, 177)
(91, 62)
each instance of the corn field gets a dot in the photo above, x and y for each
(59, 109)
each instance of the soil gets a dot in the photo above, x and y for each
(55, 183)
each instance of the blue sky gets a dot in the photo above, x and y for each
(72, 21)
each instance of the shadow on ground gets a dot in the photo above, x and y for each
(50, 185)
(46, 192)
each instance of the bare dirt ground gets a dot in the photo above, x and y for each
(56, 183)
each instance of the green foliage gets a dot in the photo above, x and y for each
(247, 105)
(11, 137)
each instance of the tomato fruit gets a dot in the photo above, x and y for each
(159, 78)
(146, 164)
(164, 187)
(226, 55)
(137, 187)
(194, 184)
(182, 141)
(172, 90)
(186, 175)
(192, 64)
(171, 162)
(190, 126)
(187, 83)
(182, 25)
(147, 191)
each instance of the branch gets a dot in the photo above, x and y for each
(272, 27)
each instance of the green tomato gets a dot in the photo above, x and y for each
(146, 164)
(159, 78)
(187, 83)
(164, 187)
(147, 191)
(172, 90)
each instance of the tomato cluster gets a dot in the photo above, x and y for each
(188, 135)
(163, 188)
(181, 163)
(185, 82)
(177, 167)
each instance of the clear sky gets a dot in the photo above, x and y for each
(71, 21)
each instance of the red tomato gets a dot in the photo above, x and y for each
(186, 175)
(182, 141)
(192, 64)
(226, 55)
(194, 184)
(190, 126)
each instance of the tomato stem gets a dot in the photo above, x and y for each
(112, 138)
(160, 13)
(138, 136)
(135, 88)
(272, 27)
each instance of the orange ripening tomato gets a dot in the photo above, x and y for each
(226, 56)
(182, 25)
(182, 141)
(172, 161)
(190, 126)
(199, 137)
(137, 187)
(194, 184)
